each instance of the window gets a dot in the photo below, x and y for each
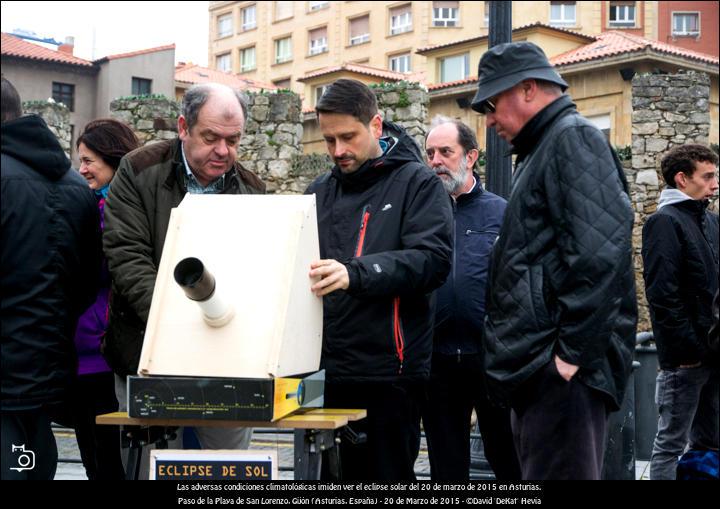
(622, 14)
(486, 10)
(318, 40)
(602, 122)
(454, 68)
(141, 86)
(400, 63)
(283, 10)
(283, 83)
(445, 14)
(316, 6)
(223, 62)
(64, 93)
(247, 59)
(319, 91)
(224, 25)
(562, 13)
(248, 18)
(400, 19)
(283, 50)
(686, 23)
(359, 30)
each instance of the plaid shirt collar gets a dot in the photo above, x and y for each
(195, 187)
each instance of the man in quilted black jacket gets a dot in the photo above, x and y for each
(561, 307)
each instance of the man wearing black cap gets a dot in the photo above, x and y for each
(561, 308)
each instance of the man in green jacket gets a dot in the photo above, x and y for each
(150, 181)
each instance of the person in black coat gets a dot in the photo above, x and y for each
(561, 309)
(51, 254)
(457, 378)
(714, 334)
(385, 231)
(680, 255)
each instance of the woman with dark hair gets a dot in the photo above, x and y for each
(100, 147)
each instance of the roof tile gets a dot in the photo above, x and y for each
(16, 47)
(425, 49)
(357, 68)
(617, 43)
(194, 74)
(139, 52)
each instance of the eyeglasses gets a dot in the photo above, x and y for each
(487, 106)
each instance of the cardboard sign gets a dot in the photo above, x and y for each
(205, 465)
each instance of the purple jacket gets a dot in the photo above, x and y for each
(93, 322)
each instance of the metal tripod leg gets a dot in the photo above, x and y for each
(309, 447)
(135, 438)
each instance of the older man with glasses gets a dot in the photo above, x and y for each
(561, 310)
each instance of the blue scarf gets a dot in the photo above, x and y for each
(103, 191)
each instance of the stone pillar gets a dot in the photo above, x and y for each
(152, 118)
(273, 134)
(668, 110)
(405, 104)
(57, 118)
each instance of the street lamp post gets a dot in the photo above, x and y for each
(499, 164)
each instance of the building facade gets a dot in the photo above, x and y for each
(283, 42)
(598, 69)
(85, 87)
(690, 25)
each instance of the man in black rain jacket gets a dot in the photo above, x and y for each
(385, 241)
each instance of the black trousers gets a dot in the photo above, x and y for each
(456, 387)
(99, 445)
(28, 446)
(559, 427)
(392, 426)
(92, 395)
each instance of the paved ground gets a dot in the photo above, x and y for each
(282, 443)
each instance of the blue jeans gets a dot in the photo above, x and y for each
(687, 400)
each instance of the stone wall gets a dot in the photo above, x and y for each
(271, 146)
(273, 134)
(56, 116)
(405, 104)
(153, 118)
(307, 167)
(668, 110)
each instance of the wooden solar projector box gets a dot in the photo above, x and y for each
(234, 332)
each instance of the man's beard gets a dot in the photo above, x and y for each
(457, 178)
(347, 157)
